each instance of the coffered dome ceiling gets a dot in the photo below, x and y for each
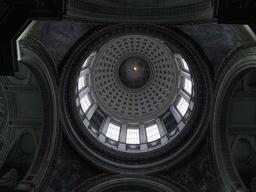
(133, 99)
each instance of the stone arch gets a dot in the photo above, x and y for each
(234, 102)
(31, 135)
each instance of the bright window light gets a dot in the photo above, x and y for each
(90, 59)
(185, 65)
(81, 83)
(85, 103)
(113, 132)
(152, 133)
(182, 106)
(188, 86)
(133, 136)
(86, 62)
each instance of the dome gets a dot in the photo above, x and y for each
(132, 82)
(134, 94)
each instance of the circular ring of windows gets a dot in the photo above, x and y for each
(139, 97)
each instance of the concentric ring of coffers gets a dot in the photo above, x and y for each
(131, 127)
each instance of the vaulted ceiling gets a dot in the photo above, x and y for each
(49, 141)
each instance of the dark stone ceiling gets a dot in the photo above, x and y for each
(215, 40)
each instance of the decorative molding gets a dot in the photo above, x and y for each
(107, 13)
(118, 181)
(229, 56)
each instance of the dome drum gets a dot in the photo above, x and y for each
(127, 119)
